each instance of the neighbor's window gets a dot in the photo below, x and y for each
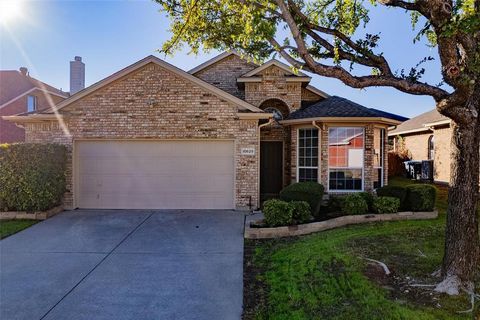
(431, 147)
(308, 154)
(378, 156)
(31, 103)
(345, 158)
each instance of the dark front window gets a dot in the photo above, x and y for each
(345, 158)
(308, 154)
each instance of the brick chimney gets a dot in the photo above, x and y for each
(24, 71)
(77, 75)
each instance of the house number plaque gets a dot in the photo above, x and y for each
(247, 151)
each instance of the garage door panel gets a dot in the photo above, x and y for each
(155, 174)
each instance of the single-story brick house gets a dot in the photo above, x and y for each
(426, 137)
(224, 135)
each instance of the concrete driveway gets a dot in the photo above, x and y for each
(124, 264)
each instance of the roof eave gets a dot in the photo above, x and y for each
(380, 120)
(417, 130)
(259, 79)
(34, 118)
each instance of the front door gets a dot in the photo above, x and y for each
(271, 169)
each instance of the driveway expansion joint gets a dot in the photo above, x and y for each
(97, 265)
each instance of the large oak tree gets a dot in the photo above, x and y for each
(328, 38)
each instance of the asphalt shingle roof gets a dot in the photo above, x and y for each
(335, 106)
(418, 122)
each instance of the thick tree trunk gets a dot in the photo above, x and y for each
(462, 244)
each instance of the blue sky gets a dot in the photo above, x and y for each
(110, 35)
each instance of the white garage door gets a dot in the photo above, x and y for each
(154, 174)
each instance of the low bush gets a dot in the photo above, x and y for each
(394, 191)
(310, 192)
(301, 211)
(386, 205)
(32, 176)
(277, 213)
(334, 204)
(355, 204)
(368, 197)
(421, 197)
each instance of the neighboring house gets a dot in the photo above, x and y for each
(426, 137)
(225, 135)
(20, 93)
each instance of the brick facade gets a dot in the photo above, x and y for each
(153, 103)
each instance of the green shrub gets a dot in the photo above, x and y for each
(386, 205)
(355, 204)
(421, 197)
(277, 213)
(32, 176)
(310, 192)
(301, 211)
(394, 191)
(368, 197)
(335, 204)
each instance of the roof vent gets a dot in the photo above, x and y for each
(24, 71)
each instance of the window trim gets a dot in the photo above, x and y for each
(297, 176)
(382, 152)
(345, 168)
(34, 102)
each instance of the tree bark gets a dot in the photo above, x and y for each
(462, 244)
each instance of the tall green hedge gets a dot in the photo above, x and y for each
(32, 176)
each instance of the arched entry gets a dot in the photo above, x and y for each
(273, 150)
(276, 106)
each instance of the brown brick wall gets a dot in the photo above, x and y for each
(274, 86)
(225, 72)
(153, 103)
(9, 132)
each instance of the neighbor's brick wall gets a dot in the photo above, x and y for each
(9, 132)
(153, 103)
(442, 154)
(417, 145)
(225, 72)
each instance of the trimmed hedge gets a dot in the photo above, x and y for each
(369, 198)
(277, 212)
(394, 191)
(386, 205)
(310, 192)
(421, 197)
(32, 176)
(355, 204)
(301, 211)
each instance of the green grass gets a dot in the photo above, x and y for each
(322, 276)
(9, 227)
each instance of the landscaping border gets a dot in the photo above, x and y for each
(302, 229)
(36, 215)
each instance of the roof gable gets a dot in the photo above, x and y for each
(286, 68)
(217, 59)
(152, 59)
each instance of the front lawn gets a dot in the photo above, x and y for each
(9, 227)
(326, 276)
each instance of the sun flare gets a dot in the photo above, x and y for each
(10, 10)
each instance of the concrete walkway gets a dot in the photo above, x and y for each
(124, 264)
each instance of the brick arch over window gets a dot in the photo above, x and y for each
(277, 104)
